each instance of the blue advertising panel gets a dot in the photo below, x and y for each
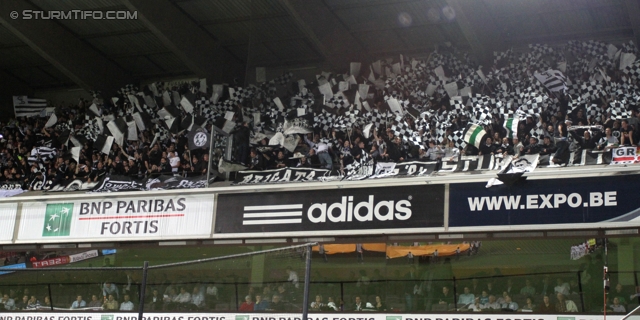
(13, 266)
(549, 201)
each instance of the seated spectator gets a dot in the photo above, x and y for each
(317, 305)
(94, 303)
(183, 299)
(616, 306)
(358, 305)
(197, 298)
(476, 306)
(33, 303)
(331, 305)
(126, 305)
(110, 304)
(528, 306)
(528, 289)
(247, 305)
(261, 304)
(46, 304)
(169, 298)
(565, 305)
(22, 304)
(446, 296)
(492, 304)
(78, 303)
(509, 305)
(484, 297)
(154, 301)
(276, 304)
(467, 297)
(546, 306)
(8, 303)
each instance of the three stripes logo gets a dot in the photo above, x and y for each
(274, 214)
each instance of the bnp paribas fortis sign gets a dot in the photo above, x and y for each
(57, 220)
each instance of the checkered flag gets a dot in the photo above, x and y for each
(64, 126)
(540, 49)
(323, 120)
(629, 47)
(204, 103)
(338, 101)
(533, 106)
(619, 111)
(95, 94)
(633, 71)
(499, 56)
(537, 133)
(240, 94)
(402, 129)
(283, 79)
(594, 48)
(593, 111)
(128, 89)
(458, 139)
(592, 90)
(482, 114)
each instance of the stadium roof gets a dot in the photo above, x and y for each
(217, 39)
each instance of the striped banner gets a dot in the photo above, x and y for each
(24, 106)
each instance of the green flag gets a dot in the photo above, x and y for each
(511, 125)
(474, 135)
(57, 220)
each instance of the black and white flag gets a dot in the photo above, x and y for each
(553, 80)
(24, 106)
(198, 138)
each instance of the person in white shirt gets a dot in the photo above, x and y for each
(293, 277)
(197, 298)
(174, 161)
(183, 298)
(562, 287)
(78, 303)
(434, 152)
(492, 304)
(126, 305)
(467, 297)
(510, 304)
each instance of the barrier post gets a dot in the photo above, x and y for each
(50, 296)
(307, 281)
(145, 270)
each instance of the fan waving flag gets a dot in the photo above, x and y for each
(198, 138)
(474, 135)
(553, 80)
(24, 106)
(511, 124)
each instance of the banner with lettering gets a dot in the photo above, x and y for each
(126, 218)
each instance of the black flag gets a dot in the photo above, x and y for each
(198, 138)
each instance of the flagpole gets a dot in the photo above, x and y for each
(210, 155)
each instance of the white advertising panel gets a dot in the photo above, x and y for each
(126, 218)
(7, 221)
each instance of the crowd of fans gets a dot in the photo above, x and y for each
(596, 109)
(34, 156)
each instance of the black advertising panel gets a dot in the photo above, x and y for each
(331, 210)
(549, 201)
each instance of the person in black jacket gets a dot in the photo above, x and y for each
(532, 148)
(241, 137)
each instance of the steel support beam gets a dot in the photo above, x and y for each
(478, 27)
(82, 63)
(202, 54)
(328, 35)
(632, 7)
